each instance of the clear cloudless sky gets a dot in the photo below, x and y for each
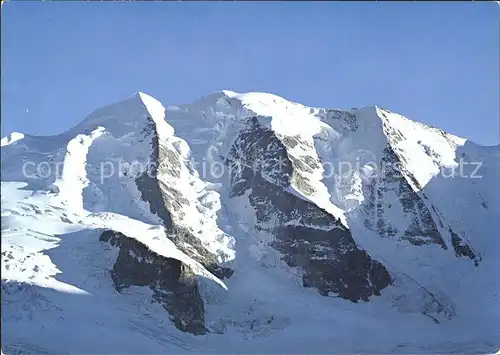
(435, 62)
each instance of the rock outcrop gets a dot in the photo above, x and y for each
(173, 283)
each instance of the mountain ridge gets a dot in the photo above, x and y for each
(238, 190)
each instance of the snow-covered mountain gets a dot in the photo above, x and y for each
(249, 223)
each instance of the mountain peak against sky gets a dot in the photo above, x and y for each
(263, 97)
(348, 69)
(249, 219)
(132, 109)
(154, 107)
(125, 116)
(332, 199)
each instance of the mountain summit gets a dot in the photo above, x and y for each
(248, 221)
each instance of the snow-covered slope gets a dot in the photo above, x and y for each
(246, 221)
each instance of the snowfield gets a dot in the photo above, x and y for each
(58, 295)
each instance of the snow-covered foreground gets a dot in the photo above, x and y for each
(58, 295)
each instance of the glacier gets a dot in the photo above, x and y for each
(244, 222)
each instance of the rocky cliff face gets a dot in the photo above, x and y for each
(421, 228)
(307, 236)
(396, 188)
(392, 237)
(172, 282)
(158, 186)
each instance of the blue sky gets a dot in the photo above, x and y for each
(434, 62)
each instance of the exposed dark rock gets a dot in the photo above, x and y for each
(220, 271)
(147, 182)
(165, 200)
(346, 119)
(173, 283)
(150, 191)
(461, 248)
(306, 235)
(422, 229)
(429, 151)
(291, 142)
